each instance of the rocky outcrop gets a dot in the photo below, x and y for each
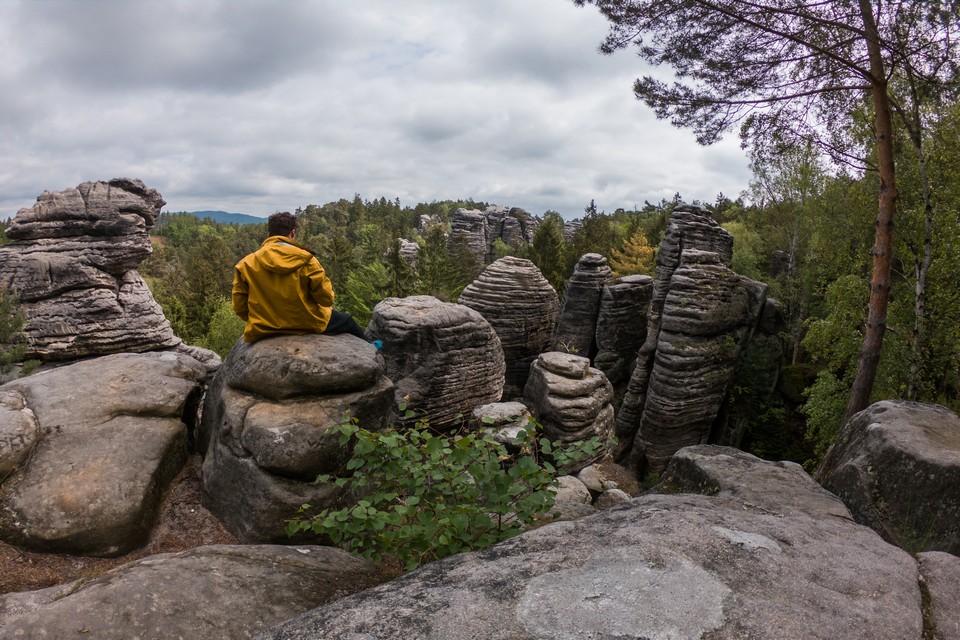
(940, 576)
(266, 431)
(577, 325)
(783, 560)
(445, 359)
(89, 449)
(570, 399)
(896, 465)
(522, 307)
(73, 263)
(622, 326)
(758, 372)
(479, 230)
(702, 315)
(207, 593)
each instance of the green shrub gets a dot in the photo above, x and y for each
(419, 496)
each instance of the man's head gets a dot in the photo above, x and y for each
(281, 223)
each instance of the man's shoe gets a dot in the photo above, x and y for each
(377, 344)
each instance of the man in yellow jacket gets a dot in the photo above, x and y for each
(281, 288)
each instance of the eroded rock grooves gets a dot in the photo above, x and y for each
(522, 307)
(73, 263)
(702, 315)
(577, 325)
(445, 359)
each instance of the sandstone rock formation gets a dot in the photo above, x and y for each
(896, 465)
(266, 428)
(701, 318)
(89, 448)
(73, 263)
(480, 229)
(758, 372)
(522, 307)
(622, 326)
(762, 552)
(207, 593)
(570, 399)
(445, 359)
(577, 325)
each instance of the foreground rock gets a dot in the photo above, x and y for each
(896, 465)
(765, 554)
(90, 448)
(522, 307)
(207, 593)
(445, 359)
(267, 426)
(73, 263)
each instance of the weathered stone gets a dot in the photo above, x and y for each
(73, 263)
(940, 575)
(207, 593)
(660, 566)
(469, 226)
(479, 230)
(622, 326)
(570, 408)
(19, 431)
(522, 308)
(701, 318)
(570, 489)
(504, 420)
(896, 465)
(611, 498)
(112, 436)
(409, 250)
(758, 372)
(577, 325)
(266, 431)
(445, 359)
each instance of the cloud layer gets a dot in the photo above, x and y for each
(255, 106)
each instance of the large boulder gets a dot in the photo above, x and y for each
(701, 318)
(783, 561)
(896, 465)
(577, 324)
(73, 264)
(90, 447)
(445, 359)
(207, 593)
(522, 307)
(267, 427)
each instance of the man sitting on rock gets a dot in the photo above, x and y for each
(281, 288)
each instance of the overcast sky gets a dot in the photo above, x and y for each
(259, 106)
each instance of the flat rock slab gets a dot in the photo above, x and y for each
(661, 566)
(896, 465)
(110, 436)
(212, 592)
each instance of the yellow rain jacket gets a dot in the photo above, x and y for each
(281, 288)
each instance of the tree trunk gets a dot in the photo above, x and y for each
(883, 245)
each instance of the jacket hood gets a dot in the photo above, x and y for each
(280, 254)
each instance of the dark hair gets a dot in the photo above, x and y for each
(281, 223)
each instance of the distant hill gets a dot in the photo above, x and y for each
(228, 218)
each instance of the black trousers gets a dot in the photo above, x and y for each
(343, 323)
